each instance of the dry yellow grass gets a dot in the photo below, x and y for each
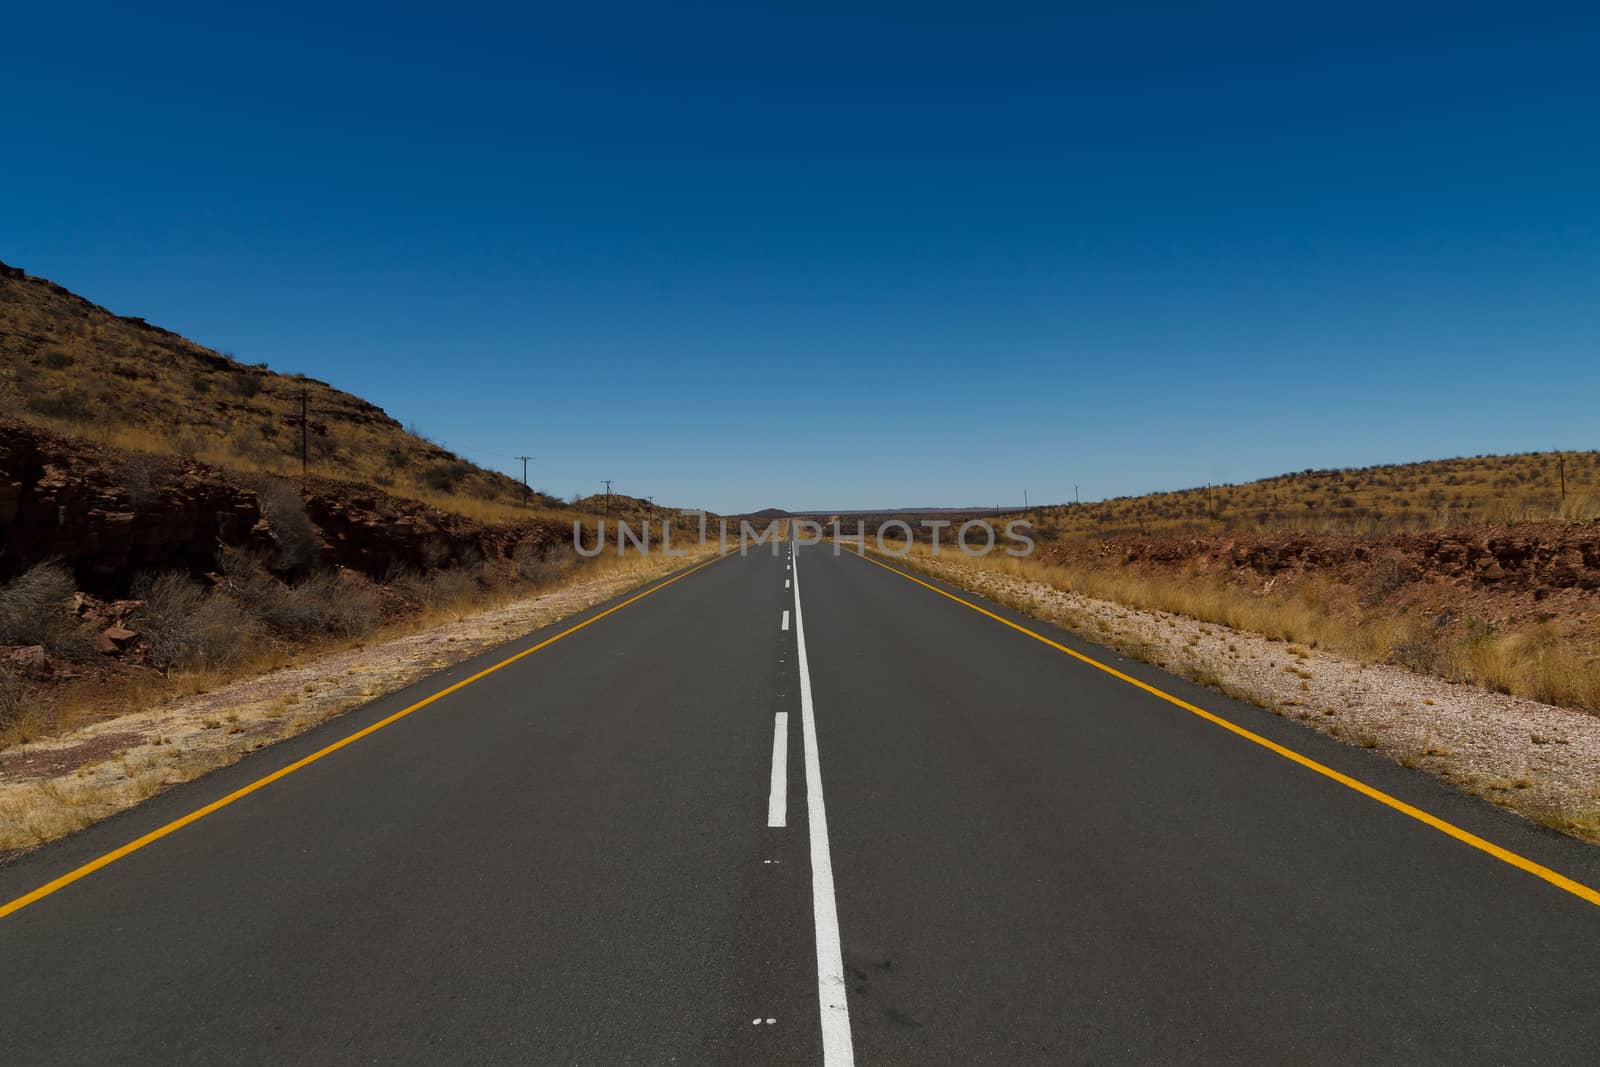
(78, 369)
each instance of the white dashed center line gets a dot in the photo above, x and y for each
(778, 798)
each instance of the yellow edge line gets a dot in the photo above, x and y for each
(261, 783)
(1560, 881)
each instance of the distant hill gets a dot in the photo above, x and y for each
(77, 368)
(1394, 498)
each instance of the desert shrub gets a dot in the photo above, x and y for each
(1386, 578)
(247, 443)
(325, 603)
(34, 610)
(15, 696)
(439, 589)
(284, 509)
(70, 404)
(188, 443)
(446, 477)
(538, 565)
(185, 627)
(243, 384)
(56, 359)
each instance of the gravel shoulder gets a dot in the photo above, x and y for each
(1538, 760)
(52, 787)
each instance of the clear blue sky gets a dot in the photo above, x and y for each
(935, 254)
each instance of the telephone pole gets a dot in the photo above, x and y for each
(607, 482)
(1561, 468)
(305, 430)
(1024, 500)
(524, 478)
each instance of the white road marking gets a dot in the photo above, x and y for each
(786, 583)
(837, 1050)
(778, 799)
(786, 619)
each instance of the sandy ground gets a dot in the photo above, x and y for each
(1536, 759)
(49, 788)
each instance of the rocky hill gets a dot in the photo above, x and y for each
(155, 526)
(74, 367)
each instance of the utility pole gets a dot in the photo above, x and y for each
(524, 478)
(1024, 500)
(1561, 468)
(1074, 494)
(305, 431)
(608, 496)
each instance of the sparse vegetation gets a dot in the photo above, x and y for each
(1543, 661)
(35, 610)
(188, 628)
(1368, 502)
(123, 383)
(282, 507)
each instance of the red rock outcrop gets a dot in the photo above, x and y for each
(110, 515)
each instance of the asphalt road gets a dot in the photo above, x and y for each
(1023, 859)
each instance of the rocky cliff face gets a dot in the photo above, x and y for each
(109, 515)
(107, 520)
